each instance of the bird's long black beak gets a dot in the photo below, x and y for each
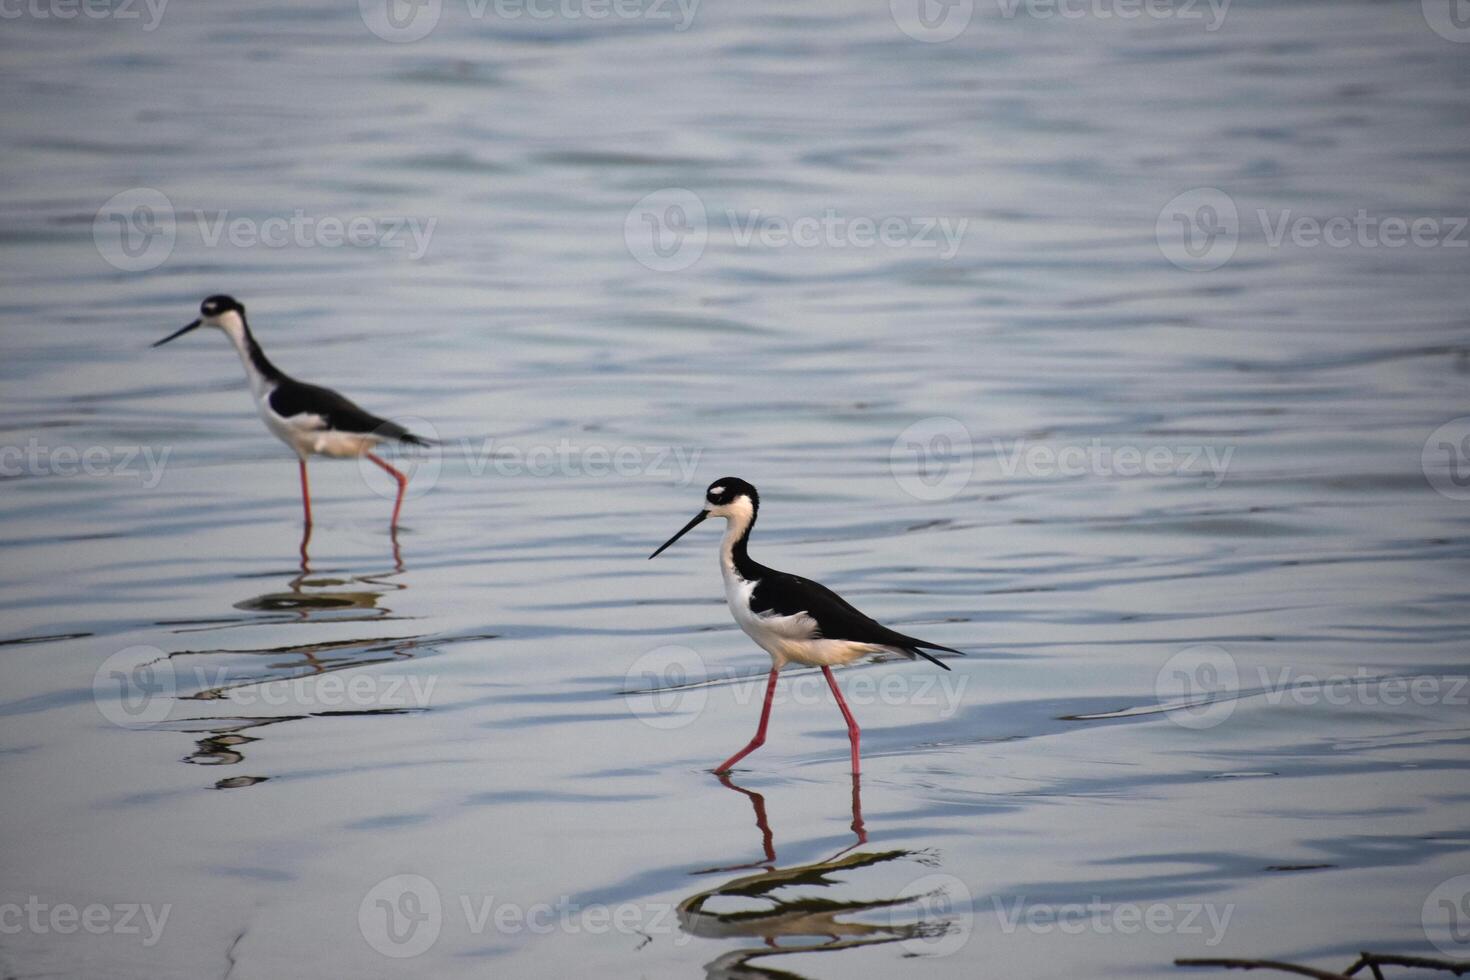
(179, 333)
(698, 519)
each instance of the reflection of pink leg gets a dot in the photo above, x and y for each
(768, 840)
(760, 733)
(854, 734)
(305, 493)
(305, 558)
(857, 809)
(402, 485)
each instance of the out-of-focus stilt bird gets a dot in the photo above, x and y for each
(313, 421)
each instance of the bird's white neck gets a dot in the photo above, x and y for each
(234, 327)
(739, 516)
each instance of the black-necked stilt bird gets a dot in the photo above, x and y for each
(310, 419)
(792, 618)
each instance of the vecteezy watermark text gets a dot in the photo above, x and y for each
(937, 21)
(42, 918)
(935, 458)
(402, 916)
(406, 21)
(423, 465)
(1105, 918)
(138, 229)
(1200, 229)
(668, 230)
(140, 686)
(668, 688)
(1097, 458)
(148, 11)
(566, 458)
(1199, 687)
(142, 463)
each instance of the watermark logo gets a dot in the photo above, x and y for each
(1445, 459)
(401, 916)
(1446, 917)
(400, 21)
(942, 902)
(135, 231)
(1450, 19)
(135, 687)
(933, 459)
(665, 687)
(666, 231)
(1197, 686)
(1199, 229)
(932, 21)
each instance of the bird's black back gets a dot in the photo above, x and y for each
(292, 397)
(783, 594)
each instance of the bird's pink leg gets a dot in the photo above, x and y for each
(305, 493)
(760, 733)
(402, 485)
(854, 734)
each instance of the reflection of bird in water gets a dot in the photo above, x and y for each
(804, 924)
(326, 600)
(306, 557)
(236, 678)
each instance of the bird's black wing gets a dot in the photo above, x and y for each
(783, 594)
(336, 411)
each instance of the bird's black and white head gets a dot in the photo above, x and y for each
(729, 497)
(219, 311)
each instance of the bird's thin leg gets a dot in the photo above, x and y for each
(305, 492)
(402, 485)
(760, 733)
(854, 734)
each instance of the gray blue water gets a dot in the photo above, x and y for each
(1122, 352)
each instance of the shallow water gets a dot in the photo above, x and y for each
(1188, 724)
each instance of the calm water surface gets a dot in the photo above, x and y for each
(515, 710)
